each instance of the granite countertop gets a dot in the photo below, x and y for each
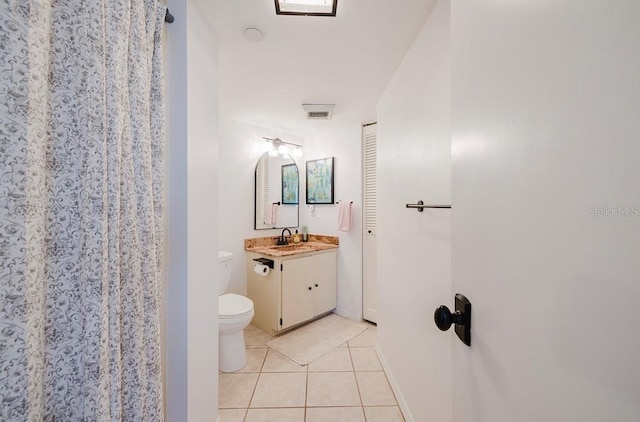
(268, 245)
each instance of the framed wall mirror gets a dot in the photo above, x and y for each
(277, 189)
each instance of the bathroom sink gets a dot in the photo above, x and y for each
(293, 247)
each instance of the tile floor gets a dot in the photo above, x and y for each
(346, 385)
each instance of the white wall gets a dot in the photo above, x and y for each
(414, 249)
(191, 314)
(345, 144)
(240, 150)
(546, 106)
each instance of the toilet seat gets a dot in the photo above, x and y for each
(231, 305)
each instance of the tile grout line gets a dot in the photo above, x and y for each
(306, 394)
(252, 394)
(394, 395)
(395, 399)
(364, 415)
(246, 413)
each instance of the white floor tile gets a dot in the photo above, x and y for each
(255, 359)
(234, 390)
(383, 414)
(365, 359)
(338, 360)
(277, 362)
(255, 338)
(232, 415)
(276, 415)
(375, 389)
(366, 339)
(337, 414)
(280, 390)
(332, 389)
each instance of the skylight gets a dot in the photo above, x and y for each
(306, 7)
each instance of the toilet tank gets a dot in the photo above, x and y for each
(224, 270)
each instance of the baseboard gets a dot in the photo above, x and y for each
(347, 314)
(402, 403)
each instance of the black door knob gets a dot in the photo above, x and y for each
(461, 318)
(444, 318)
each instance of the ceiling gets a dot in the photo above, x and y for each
(347, 60)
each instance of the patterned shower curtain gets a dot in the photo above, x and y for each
(81, 210)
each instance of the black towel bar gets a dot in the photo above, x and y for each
(420, 206)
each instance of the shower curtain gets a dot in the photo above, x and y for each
(81, 210)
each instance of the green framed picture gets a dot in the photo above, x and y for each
(319, 181)
(290, 184)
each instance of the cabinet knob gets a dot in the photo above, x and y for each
(310, 287)
(316, 285)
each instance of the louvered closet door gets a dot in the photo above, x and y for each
(369, 253)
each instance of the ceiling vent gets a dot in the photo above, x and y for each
(252, 33)
(318, 111)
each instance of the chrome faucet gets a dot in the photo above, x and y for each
(283, 240)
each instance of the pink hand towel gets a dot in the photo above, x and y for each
(344, 216)
(271, 217)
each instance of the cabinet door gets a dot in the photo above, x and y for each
(324, 282)
(297, 291)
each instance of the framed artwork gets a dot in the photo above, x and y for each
(320, 181)
(290, 184)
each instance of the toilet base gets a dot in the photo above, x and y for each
(231, 352)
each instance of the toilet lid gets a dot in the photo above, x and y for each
(231, 305)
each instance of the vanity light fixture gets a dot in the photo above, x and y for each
(306, 7)
(277, 146)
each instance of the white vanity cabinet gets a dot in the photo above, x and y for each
(298, 288)
(308, 287)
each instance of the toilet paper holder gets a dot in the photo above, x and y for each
(265, 261)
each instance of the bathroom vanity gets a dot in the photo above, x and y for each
(300, 286)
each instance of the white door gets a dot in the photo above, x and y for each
(546, 196)
(370, 213)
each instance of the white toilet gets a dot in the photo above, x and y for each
(234, 314)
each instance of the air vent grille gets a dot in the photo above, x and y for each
(318, 111)
(318, 115)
